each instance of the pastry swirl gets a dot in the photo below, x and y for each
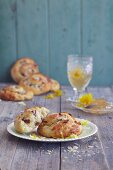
(23, 68)
(59, 125)
(27, 121)
(37, 83)
(15, 93)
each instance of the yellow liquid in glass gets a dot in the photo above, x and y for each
(79, 78)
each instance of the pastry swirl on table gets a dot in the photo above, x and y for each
(23, 68)
(37, 83)
(26, 73)
(15, 93)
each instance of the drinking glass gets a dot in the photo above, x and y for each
(79, 71)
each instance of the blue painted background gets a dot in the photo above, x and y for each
(49, 30)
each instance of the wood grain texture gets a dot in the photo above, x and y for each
(32, 31)
(7, 37)
(64, 35)
(35, 155)
(48, 31)
(98, 38)
(105, 124)
(8, 143)
(85, 158)
(91, 153)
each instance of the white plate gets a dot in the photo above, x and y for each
(88, 131)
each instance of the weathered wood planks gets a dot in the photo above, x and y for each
(49, 30)
(32, 30)
(105, 124)
(7, 38)
(98, 37)
(64, 35)
(89, 154)
(22, 154)
(92, 153)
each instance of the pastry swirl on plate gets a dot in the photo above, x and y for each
(23, 67)
(15, 93)
(37, 83)
(59, 125)
(27, 121)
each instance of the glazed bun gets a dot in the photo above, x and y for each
(27, 121)
(59, 125)
(15, 93)
(23, 68)
(37, 83)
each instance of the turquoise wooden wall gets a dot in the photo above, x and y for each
(49, 30)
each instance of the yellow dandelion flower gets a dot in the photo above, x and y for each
(33, 135)
(58, 93)
(54, 94)
(77, 73)
(72, 136)
(50, 96)
(86, 99)
(84, 122)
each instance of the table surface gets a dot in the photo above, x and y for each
(93, 153)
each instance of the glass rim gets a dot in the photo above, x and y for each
(73, 56)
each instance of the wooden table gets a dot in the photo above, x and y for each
(93, 153)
